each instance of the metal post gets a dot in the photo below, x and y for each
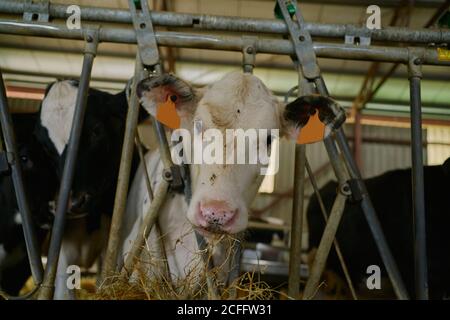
(120, 200)
(420, 248)
(48, 285)
(149, 220)
(295, 249)
(324, 247)
(29, 233)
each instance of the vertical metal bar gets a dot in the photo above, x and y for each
(357, 143)
(335, 160)
(19, 188)
(120, 200)
(420, 248)
(235, 265)
(297, 222)
(48, 286)
(164, 150)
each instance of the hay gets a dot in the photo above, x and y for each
(160, 285)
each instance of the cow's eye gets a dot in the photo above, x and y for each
(24, 158)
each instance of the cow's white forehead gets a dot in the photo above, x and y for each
(57, 112)
(239, 100)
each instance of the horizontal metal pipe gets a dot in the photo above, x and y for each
(220, 42)
(238, 24)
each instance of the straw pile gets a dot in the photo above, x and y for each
(199, 283)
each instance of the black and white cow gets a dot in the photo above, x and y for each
(391, 197)
(40, 183)
(221, 193)
(92, 196)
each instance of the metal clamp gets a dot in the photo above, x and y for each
(36, 11)
(91, 38)
(145, 35)
(249, 53)
(301, 39)
(356, 36)
(415, 63)
(174, 177)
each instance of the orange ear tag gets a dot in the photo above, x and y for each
(313, 131)
(166, 113)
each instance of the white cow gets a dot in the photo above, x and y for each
(221, 193)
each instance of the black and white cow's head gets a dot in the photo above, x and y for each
(99, 152)
(40, 186)
(222, 193)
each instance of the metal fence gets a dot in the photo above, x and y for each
(35, 23)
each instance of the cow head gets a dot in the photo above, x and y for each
(99, 152)
(222, 193)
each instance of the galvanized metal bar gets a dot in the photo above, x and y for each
(221, 42)
(33, 250)
(238, 24)
(48, 286)
(149, 221)
(335, 242)
(418, 193)
(235, 264)
(143, 27)
(324, 247)
(296, 233)
(110, 263)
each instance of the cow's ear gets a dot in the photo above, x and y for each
(159, 91)
(311, 118)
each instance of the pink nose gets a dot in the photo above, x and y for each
(216, 214)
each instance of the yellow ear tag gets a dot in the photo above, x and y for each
(313, 131)
(166, 113)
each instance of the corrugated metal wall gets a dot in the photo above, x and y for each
(438, 150)
(23, 105)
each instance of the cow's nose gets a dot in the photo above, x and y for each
(79, 202)
(216, 214)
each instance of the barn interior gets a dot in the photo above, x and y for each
(374, 94)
